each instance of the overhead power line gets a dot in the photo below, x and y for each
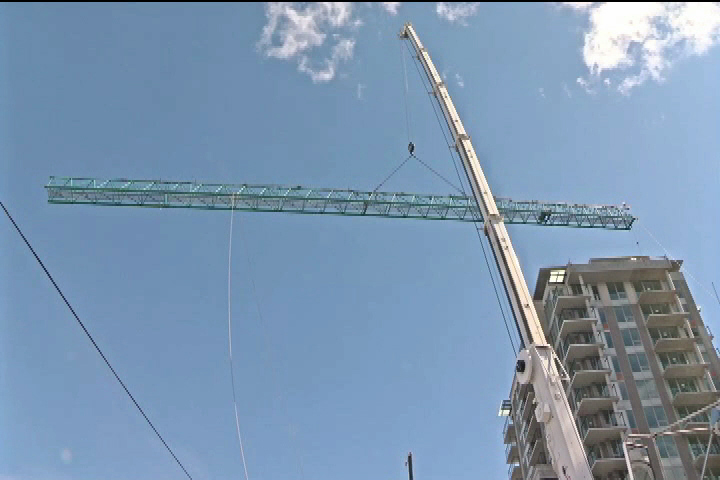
(72, 310)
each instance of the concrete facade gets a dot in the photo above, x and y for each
(639, 358)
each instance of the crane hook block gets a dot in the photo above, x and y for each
(411, 148)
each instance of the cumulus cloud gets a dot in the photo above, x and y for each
(541, 91)
(391, 7)
(459, 80)
(456, 12)
(298, 32)
(576, 5)
(642, 41)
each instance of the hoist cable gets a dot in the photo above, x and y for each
(92, 340)
(430, 91)
(232, 373)
(405, 93)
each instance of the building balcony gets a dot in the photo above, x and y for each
(601, 428)
(509, 431)
(693, 395)
(514, 472)
(683, 369)
(560, 299)
(698, 452)
(697, 421)
(587, 371)
(575, 321)
(534, 450)
(672, 342)
(604, 462)
(511, 453)
(526, 407)
(671, 319)
(657, 296)
(590, 400)
(580, 345)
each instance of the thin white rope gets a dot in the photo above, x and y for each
(232, 374)
(684, 269)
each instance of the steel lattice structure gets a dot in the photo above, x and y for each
(274, 198)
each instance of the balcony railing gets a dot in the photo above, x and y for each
(614, 450)
(699, 449)
(578, 339)
(511, 469)
(584, 364)
(609, 420)
(594, 391)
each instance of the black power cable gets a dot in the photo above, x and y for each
(93, 340)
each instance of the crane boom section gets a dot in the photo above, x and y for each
(538, 364)
(274, 198)
(516, 287)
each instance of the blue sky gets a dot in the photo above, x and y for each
(376, 336)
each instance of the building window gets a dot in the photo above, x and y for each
(576, 289)
(595, 292)
(666, 446)
(601, 314)
(624, 314)
(616, 291)
(647, 286)
(615, 363)
(557, 276)
(638, 362)
(655, 417)
(630, 418)
(623, 391)
(608, 340)
(631, 337)
(647, 389)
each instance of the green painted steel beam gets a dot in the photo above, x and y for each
(274, 198)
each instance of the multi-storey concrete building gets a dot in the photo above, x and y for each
(639, 358)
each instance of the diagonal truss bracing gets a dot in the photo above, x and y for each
(274, 198)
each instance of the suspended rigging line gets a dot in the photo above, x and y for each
(439, 175)
(92, 340)
(462, 185)
(391, 174)
(232, 373)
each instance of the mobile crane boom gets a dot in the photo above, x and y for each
(537, 364)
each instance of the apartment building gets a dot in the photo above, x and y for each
(638, 357)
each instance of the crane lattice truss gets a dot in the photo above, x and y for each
(273, 198)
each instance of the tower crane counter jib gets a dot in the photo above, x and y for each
(537, 364)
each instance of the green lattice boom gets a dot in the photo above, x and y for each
(274, 198)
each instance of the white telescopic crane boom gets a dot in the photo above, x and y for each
(538, 364)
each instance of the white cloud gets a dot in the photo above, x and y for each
(541, 91)
(360, 89)
(391, 7)
(66, 456)
(641, 41)
(295, 30)
(585, 85)
(566, 89)
(576, 5)
(459, 80)
(456, 12)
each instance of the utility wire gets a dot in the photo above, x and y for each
(117, 377)
(439, 175)
(232, 374)
(476, 223)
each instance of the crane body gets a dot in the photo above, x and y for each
(537, 364)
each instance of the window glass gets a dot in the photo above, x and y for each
(557, 276)
(647, 389)
(631, 337)
(608, 340)
(666, 446)
(638, 362)
(624, 314)
(576, 289)
(623, 391)
(616, 291)
(615, 363)
(601, 314)
(596, 292)
(655, 417)
(630, 418)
